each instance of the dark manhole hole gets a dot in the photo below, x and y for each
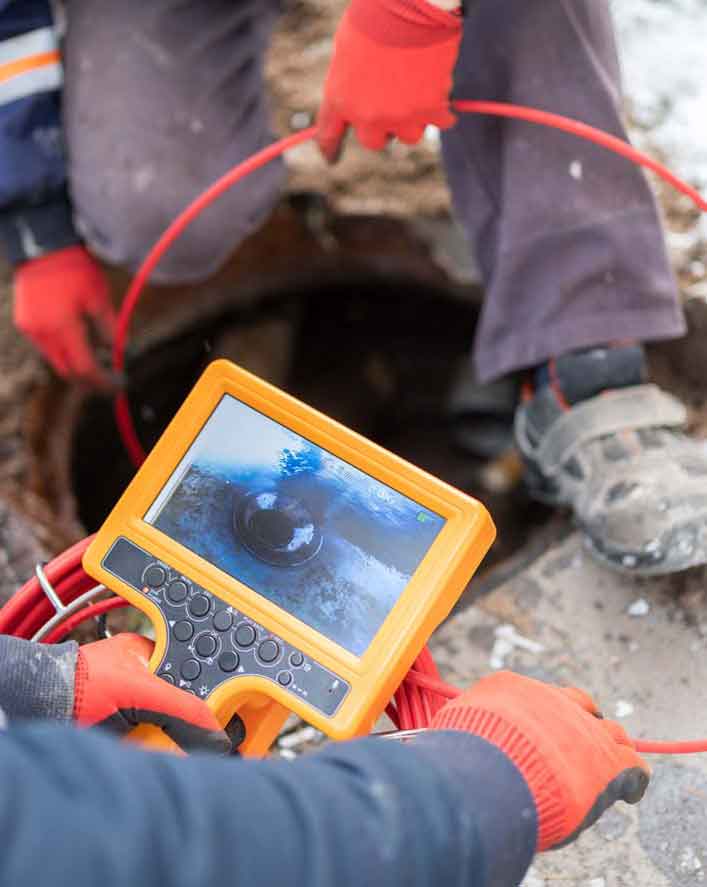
(379, 353)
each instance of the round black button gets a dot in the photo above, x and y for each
(228, 661)
(183, 630)
(166, 676)
(268, 651)
(284, 678)
(223, 620)
(296, 659)
(245, 635)
(199, 605)
(206, 645)
(190, 669)
(177, 591)
(154, 576)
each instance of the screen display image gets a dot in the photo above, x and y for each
(321, 539)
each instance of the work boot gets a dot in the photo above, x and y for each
(597, 439)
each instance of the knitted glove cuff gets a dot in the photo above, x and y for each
(405, 24)
(544, 786)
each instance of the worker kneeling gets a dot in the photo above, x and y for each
(511, 767)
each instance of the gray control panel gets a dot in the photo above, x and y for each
(211, 642)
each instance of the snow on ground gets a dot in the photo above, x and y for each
(663, 46)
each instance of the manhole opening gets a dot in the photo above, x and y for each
(378, 353)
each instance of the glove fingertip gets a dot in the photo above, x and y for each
(372, 138)
(331, 130)
(633, 785)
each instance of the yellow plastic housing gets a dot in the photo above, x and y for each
(427, 599)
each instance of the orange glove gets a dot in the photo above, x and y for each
(390, 74)
(114, 689)
(576, 765)
(54, 294)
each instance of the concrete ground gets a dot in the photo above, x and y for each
(639, 646)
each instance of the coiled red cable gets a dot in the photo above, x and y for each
(414, 705)
(422, 692)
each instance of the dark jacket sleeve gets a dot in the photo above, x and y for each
(450, 810)
(37, 680)
(35, 213)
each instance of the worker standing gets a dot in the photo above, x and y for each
(156, 100)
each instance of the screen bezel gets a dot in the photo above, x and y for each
(428, 597)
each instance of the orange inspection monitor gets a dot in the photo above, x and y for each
(287, 563)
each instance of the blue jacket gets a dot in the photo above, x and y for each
(79, 808)
(35, 213)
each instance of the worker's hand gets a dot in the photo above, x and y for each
(576, 765)
(55, 295)
(115, 689)
(390, 74)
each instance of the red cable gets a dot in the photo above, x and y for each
(589, 134)
(650, 747)
(419, 696)
(184, 219)
(123, 417)
(90, 612)
(422, 692)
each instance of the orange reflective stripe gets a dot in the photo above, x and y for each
(31, 63)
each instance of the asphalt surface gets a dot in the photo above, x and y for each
(639, 646)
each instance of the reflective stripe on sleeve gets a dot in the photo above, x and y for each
(29, 64)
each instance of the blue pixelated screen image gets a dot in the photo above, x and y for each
(318, 537)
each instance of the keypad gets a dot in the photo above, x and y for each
(206, 645)
(183, 630)
(269, 651)
(210, 643)
(245, 635)
(223, 620)
(177, 591)
(228, 661)
(199, 606)
(155, 575)
(191, 669)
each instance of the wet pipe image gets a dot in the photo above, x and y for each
(277, 529)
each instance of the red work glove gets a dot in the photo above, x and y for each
(576, 765)
(54, 294)
(390, 74)
(115, 689)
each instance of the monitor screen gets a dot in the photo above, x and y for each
(318, 537)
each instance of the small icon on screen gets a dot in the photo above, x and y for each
(422, 517)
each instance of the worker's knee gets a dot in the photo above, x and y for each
(122, 216)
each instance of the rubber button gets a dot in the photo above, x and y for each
(269, 651)
(154, 576)
(177, 592)
(166, 676)
(206, 645)
(228, 661)
(183, 630)
(284, 678)
(199, 605)
(296, 659)
(245, 635)
(223, 620)
(190, 669)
